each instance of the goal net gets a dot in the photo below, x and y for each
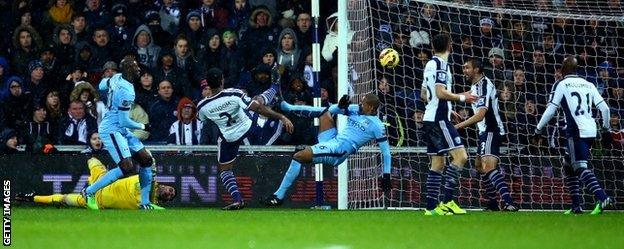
(521, 44)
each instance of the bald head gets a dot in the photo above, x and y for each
(569, 65)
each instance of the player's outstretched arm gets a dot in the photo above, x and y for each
(477, 117)
(126, 122)
(267, 112)
(442, 93)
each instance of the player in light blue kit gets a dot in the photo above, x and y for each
(333, 148)
(122, 145)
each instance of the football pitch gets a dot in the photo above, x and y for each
(300, 228)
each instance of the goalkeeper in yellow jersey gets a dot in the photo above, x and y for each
(122, 194)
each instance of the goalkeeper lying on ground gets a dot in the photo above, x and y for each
(122, 194)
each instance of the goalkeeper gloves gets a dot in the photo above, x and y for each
(147, 127)
(386, 184)
(344, 103)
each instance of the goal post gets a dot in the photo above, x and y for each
(521, 45)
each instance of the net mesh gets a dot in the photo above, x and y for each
(521, 44)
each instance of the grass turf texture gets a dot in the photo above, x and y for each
(288, 228)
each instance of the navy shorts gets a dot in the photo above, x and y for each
(578, 150)
(227, 152)
(489, 144)
(441, 137)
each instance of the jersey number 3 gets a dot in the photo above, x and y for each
(230, 120)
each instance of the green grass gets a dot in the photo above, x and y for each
(281, 228)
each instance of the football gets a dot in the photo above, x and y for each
(389, 58)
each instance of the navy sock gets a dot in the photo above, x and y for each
(269, 94)
(289, 178)
(434, 180)
(497, 181)
(145, 181)
(591, 183)
(229, 182)
(303, 110)
(575, 190)
(108, 178)
(451, 182)
(490, 191)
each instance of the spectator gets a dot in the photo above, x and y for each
(230, 59)
(212, 15)
(79, 27)
(138, 114)
(540, 71)
(526, 121)
(84, 57)
(184, 59)
(26, 43)
(210, 55)
(616, 97)
(415, 133)
(95, 13)
(496, 69)
(102, 50)
(85, 93)
(120, 30)
(169, 12)
(75, 127)
(35, 83)
(54, 110)
(239, 15)
(606, 77)
(430, 21)
(95, 146)
(288, 52)
(76, 77)
(167, 70)
(160, 37)
(110, 68)
(613, 140)
(194, 32)
(519, 37)
(303, 31)
(143, 44)
(8, 142)
(59, 12)
(38, 132)
(553, 49)
(51, 66)
(17, 105)
(261, 80)
(259, 36)
(146, 92)
(163, 112)
(488, 37)
(187, 129)
(4, 75)
(64, 49)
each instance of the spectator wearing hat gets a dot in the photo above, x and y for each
(163, 112)
(496, 68)
(76, 126)
(193, 31)
(288, 52)
(38, 131)
(120, 30)
(8, 142)
(260, 80)
(110, 68)
(187, 129)
(210, 53)
(79, 27)
(160, 37)
(26, 44)
(169, 13)
(212, 15)
(86, 93)
(260, 35)
(168, 70)
(489, 38)
(64, 40)
(230, 59)
(59, 12)
(51, 66)
(143, 44)
(16, 106)
(35, 83)
(146, 91)
(75, 77)
(95, 13)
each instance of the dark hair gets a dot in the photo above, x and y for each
(214, 78)
(476, 63)
(373, 99)
(440, 43)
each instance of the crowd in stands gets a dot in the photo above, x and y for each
(53, 56)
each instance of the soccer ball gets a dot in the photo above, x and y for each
(389, 58)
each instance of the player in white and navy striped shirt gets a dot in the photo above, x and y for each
(491, 133)
(443, 137)
(576, 96)
(228, 109)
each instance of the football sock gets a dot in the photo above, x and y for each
(269, 94)
(451, 182)
(74, 200)
(229, 182)
(434, 180)
(496, 180)
(575, 190)
(105, 180)
(47, 199)
(591, 183)
(289, 178)
(303, 110)
(145, 181)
